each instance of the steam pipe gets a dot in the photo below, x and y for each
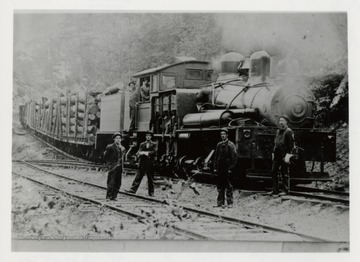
(242, 90)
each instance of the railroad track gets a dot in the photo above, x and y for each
(194, 223)
(301, 191)
(71, 164)
(318, 190)
(95, 195)
(332, 197)
(63, 163)
(121, 226)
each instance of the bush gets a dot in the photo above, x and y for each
(331, 93)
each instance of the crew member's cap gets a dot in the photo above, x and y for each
(116, 134)
(132, 82)
(284, 117)
(149, 132)
(224, 130)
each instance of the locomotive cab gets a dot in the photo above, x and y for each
(172, 95)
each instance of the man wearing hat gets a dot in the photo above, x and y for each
(145, 91)
(114, 156)
(224, 162)
(146, 154)
(133, 100)
(283, 144)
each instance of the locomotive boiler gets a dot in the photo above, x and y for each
(255, 97)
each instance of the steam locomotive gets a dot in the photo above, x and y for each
(186, 111)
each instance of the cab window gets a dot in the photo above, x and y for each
(194, 74)
(168, 82)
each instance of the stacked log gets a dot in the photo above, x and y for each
(94, 113)
(113, 89)
(69, 115)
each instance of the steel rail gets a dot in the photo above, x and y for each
(320, 197)
(311, 189)
(61, 163)
(202, 212)
(68, 163)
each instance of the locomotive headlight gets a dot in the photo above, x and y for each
(331, 138)
(246, 133)
(295, 107)
(184, 136)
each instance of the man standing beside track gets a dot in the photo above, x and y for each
(284, 143)
(114, 156)
(147, 152)
(224, 162)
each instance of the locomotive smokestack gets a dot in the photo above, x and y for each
(229, 65)
(259, 71)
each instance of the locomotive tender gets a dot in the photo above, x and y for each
(187, 109)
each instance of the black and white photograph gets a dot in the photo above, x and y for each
(180, 127)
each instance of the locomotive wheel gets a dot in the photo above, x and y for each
(182, 160)
(199, 163)
(163, 158)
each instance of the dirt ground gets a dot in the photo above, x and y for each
(323, 220)
(41, 214)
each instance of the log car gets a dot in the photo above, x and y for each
(64, 122)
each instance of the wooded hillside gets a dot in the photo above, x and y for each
(54, 52)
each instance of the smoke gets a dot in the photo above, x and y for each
(306, 43)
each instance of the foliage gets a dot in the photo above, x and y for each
(331, 92)
(55, 52)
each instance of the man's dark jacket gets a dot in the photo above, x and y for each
(113, 156)
(283, 143)
(225, 156)
(152, 152)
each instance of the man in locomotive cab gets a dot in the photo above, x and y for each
(133, 100)
(145, 91)
(224, 162)
(114, 156)
(146, 154)
(283, 145)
